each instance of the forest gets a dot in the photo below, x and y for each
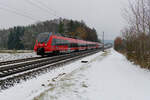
(135, 39)
(24, 37)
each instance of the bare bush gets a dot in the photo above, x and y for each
(137, 35)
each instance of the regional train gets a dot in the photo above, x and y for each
(49, 43)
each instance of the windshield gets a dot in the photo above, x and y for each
(43, 37)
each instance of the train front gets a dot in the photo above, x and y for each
(41, 44)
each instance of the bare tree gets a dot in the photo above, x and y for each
(137, 34)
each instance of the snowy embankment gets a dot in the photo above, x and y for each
(106, 76)
(14, 56)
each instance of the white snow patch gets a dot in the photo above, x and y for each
(32, 88)
(14, 56)
(108, 77)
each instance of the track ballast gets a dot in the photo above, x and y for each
(26, 68)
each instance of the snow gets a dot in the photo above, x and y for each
(14, 56)
(106, 76)
(31, 88)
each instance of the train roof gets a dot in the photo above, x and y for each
(66, 37)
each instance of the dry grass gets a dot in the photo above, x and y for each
(144, 63)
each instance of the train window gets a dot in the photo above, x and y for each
(62, 42)
(54, 42)
(74, 45)
(43, 37)
(71, 45)
(58, 42)
(82, 45)
(66, 42)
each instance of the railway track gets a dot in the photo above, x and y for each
(18, 60)
(21, 68)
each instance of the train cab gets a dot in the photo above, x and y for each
(42, 43)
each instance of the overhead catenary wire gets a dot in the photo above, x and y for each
(26, 14)
(20, 11)
(44, 5)
(17, 13)
(41, 7)
(47, 7)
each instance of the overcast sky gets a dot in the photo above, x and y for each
(104, 15)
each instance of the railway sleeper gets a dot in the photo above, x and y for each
(26, 67)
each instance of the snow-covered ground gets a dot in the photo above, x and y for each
(13, 56)
(106, 76)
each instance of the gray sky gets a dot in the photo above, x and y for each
(104, 15)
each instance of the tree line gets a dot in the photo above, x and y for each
(24, 37)
(135, 39)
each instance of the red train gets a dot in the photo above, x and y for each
(48, 43)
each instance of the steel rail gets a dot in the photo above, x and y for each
(11, 69)
(35, 70)
(17, 61)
